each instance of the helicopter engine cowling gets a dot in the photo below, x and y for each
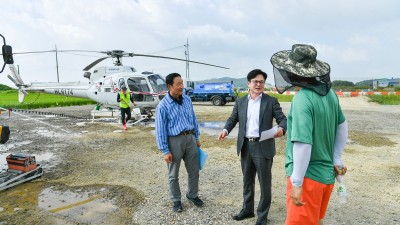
(103, 71)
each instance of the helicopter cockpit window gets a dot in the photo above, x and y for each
(139, 84)
(158, 83)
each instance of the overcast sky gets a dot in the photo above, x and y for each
(359, 39)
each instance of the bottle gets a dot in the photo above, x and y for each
(341, 190)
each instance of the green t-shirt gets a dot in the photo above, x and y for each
(313, 119)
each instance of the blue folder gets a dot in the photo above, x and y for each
(202, 158)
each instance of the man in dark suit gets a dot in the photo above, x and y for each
(255, 113)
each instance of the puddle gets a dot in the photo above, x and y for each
(214, 128)
(71, 205)
(40, 159)
(7, 146)
(81, 124)
(107, 120)
(212, 125)
(77, 206)
(47, 133)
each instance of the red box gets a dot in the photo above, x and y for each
(21, 162)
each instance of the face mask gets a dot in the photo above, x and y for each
(285, 80)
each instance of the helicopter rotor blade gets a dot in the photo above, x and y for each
(119, 54)
(54, 50)
(12, 79)
(165, 57)
(15, 74)
(46, 51)
(88, 67)
(79, 51)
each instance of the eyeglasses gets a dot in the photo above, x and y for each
(260, 82)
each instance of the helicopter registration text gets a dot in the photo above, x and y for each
(66, 91)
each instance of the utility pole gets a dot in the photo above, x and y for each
(187, 58)
(58, 77)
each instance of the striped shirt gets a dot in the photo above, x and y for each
(172, 119)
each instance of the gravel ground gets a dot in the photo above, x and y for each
(127, 170)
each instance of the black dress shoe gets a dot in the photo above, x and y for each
(242, 215)
(196, 201)
(177, 207)
(261, 222)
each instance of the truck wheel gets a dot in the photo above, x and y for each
(217, 101)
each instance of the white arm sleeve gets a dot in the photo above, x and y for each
(301, 159)
(340, 142)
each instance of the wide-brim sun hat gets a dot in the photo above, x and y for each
(300, 67)
(301, 60)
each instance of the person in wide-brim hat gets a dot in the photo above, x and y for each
(316, 134)
(300, 67)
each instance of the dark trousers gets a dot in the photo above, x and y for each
(126, 111)
(253, 162)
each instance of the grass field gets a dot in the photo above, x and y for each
(385, 99)
(35, 100)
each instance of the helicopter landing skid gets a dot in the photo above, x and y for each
(105, 113)
(143, 118)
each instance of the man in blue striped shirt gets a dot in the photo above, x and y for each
(177, 135)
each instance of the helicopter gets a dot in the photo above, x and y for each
(146, 88)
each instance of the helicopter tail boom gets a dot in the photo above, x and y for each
(75, 89)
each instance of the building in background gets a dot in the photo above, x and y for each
(393, 82)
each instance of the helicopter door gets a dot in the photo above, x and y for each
(141, 89)
(107, 91)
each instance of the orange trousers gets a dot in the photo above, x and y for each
(316, 197)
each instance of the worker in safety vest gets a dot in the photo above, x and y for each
(125, 101)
